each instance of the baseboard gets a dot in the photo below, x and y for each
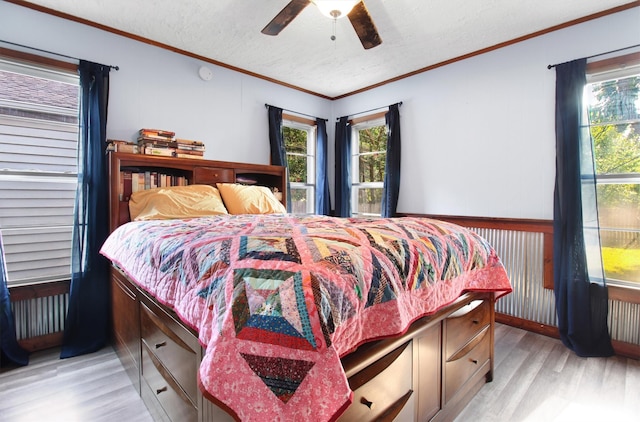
(534, 327)
(43, 342)
(620, 348)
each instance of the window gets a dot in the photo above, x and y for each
(614, 122)
(369, 154)
(300, 140)
(38, 169)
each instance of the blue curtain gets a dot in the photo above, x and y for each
(87, 324)
(581, 297)
(323, 198)
(391, 188)
(276, 141)
(10, 350)
(343, 167)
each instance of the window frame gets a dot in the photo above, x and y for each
(362, 123)
(310, 185)
(61, 71)
(600, 71)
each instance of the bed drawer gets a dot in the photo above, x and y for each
(463, 365)
(124, 302)
(179, 360)
(212, 175)
(384, 388)
(175, 404)
(464, 324)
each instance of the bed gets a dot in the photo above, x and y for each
(255, 317)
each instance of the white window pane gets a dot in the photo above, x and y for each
(302, 199)
(367, 201)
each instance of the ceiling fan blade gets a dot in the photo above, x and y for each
(364, 26)
(285, 17)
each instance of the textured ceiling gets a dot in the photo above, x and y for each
(416, 34)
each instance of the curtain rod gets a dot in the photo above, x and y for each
(369, 111)
(297, 112)
(597, 55)
(116, 68)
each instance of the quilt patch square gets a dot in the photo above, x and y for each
(268, 248)
(269, 307)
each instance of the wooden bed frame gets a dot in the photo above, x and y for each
(429, 373)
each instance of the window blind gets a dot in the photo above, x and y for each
(38, 171)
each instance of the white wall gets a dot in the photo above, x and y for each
(160, 89)
(477, 135)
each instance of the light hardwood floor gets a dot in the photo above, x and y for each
(89, 388)
(536, 379)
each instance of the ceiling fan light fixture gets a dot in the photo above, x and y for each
(335, 9)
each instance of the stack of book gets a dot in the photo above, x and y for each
(121, 146)
(157, 142)
(186, 148)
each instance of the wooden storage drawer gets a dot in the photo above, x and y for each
(383, 389)
(176, 405)
(124, 303)
(462, 366)
(212, 175)
(171, 352)
(464, 324)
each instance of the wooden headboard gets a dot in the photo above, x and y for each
(191, 171)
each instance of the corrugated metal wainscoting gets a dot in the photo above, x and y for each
(40, 316)
(522, 253)
(39, 313)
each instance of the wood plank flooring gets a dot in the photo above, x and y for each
(536, 379)
(89, 388)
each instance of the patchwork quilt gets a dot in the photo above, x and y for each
(278, 299)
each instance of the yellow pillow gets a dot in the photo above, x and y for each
(176, 202)
(241, 199)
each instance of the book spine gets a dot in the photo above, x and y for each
(190, 148)
(188, 152)
(190, 156)
(189, 142)
(126, 177)
(157, 132)
(165, 152)
(134, 183)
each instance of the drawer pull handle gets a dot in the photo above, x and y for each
(367, 403)
(161, 390)
(474, 361)
(475, 321)
(161, 344)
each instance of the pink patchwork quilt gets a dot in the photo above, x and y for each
(277, 300)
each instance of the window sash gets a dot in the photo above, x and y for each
(38, 181)
(359, 208)
(308, 185)
(617, 225)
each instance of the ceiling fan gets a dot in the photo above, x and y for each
(356, 11)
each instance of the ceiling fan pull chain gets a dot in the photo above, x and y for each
(333, 36)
